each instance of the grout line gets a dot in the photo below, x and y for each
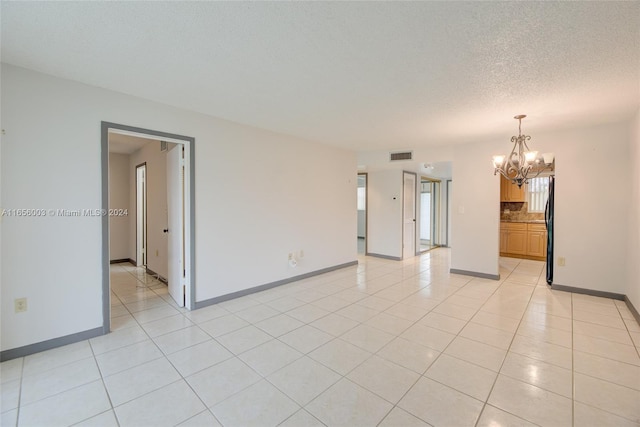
(573, 369)
(20, 392)
(633, 343)
(515, 333)
(106, 391)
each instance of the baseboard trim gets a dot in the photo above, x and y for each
(122, 260)
(632, 309)
(244, 292)
(50, 344)
(150, 272)
(392, 258)
(591, 292)
(475, 274)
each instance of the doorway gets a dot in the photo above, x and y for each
(408, 215)
(362, 213)
(141, 215)
(184, 289)
(430, 194)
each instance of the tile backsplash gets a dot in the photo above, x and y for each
(518, 211)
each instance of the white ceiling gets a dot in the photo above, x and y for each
(362, 75)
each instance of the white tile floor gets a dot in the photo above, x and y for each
(385, 343)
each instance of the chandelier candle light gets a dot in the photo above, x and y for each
(522, 161)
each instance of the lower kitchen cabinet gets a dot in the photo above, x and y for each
(523, 240)
(537, 240)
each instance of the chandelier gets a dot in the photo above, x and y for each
(521, 164)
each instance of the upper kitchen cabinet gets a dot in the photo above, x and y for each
(510, 192)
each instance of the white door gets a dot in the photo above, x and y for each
(175, 223)
(409, 216)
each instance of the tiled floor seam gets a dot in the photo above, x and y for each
(20, 392)
(573, 370)
(485, 403)
(104, 385)
(628, 330)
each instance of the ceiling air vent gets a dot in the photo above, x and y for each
(403, 155)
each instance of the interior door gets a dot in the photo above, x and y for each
(175, 223)
(409, 216)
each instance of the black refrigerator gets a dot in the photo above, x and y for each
(548, 219)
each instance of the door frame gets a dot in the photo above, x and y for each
(189, 143)
(415, 207)
(366, 210)
(434, 215)
(448, 213)
(144, 217)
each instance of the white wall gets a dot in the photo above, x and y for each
(156, 206)
(304, 191)
(385, 213)
(119, 199)
(591, 205)
(633, 251)
(475, 218)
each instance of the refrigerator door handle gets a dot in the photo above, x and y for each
(546, 215)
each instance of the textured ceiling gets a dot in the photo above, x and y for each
(362, 75)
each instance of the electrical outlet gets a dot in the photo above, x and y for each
(156, 252)
(561, 261)
(301, 253)
(20, 305)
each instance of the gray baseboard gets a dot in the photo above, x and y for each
(49, 344)
(392, 258)
(591, 292)
(475, 274)
(233, 295)
(632, 309)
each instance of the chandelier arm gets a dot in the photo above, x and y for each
(539, 172)
(501, 173)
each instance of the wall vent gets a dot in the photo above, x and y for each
(163, 146)
(401, 155)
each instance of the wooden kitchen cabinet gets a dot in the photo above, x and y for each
(523, 240)
(537, 240)
(516, 238)
(510, 192)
